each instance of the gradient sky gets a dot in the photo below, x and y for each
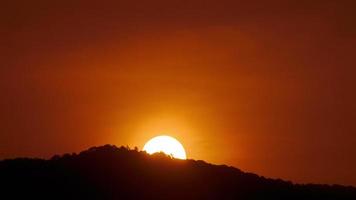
(265, 86)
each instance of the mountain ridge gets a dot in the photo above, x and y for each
(110, 172)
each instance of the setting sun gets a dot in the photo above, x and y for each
(167, 145)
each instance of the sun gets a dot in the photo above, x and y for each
(167, 145)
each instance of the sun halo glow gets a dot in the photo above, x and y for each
(167, 145)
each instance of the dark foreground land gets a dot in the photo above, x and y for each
(109, 172)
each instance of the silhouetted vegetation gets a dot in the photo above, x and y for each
(109, 172)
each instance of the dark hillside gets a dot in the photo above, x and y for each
(109, 172)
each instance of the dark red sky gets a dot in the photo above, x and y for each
(266, 86)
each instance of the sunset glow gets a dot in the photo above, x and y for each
(167, 145)
(263, 86)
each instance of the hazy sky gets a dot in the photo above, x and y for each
(265, 86)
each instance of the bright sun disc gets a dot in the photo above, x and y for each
(167, 145)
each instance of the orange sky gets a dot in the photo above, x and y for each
(267, 87)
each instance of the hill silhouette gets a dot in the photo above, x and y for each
(109, 172)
